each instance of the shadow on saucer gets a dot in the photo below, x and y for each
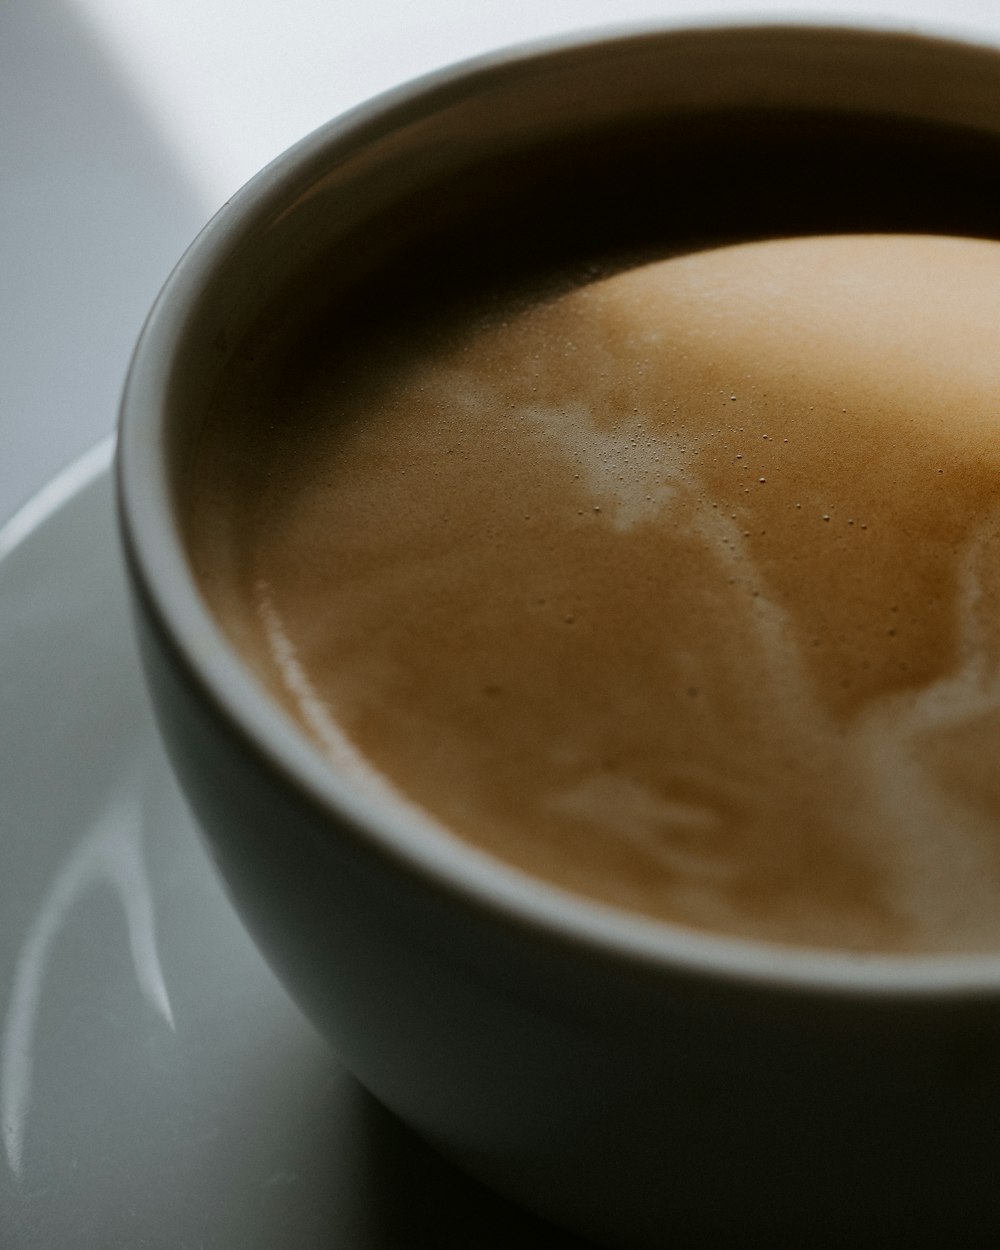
(417, 1199)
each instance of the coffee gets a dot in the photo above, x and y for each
(661, 566)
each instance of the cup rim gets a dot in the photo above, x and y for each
(154, 552)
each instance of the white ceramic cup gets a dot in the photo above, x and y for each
(643, 1084)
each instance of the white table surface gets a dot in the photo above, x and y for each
(125, 123)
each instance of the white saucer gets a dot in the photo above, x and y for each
(157, 1088)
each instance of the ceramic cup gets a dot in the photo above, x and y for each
(643, 1084)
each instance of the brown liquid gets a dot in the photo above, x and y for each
(679, 587)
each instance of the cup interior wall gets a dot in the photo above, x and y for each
(654, 143)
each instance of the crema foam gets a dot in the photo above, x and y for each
(678, 586)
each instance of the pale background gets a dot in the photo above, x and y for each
(125, 123)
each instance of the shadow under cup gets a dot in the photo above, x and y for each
(642, 1084)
